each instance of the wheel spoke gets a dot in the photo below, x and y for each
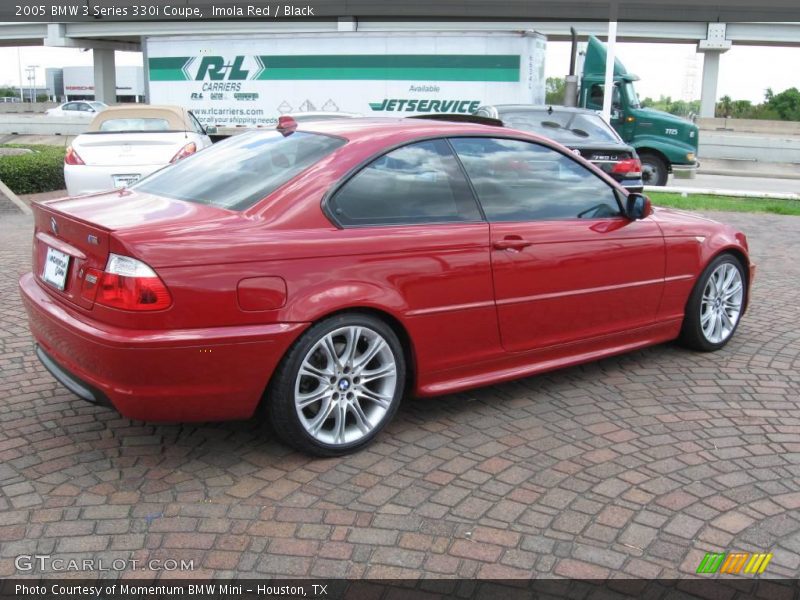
(340, 417)
(320, 418)
(383, 400)
(310, 370)
(304, 400)
(717, 328)
(361, 419)
(330, 350)
(726, 319)
(372, 351)
(732, 291)
(706, 317)
(386, 370)
(353, 335)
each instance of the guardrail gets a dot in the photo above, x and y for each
(38, 124)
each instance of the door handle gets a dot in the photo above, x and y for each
(512, 243)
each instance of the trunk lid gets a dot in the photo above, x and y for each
(79, 244)
(88, 228)
(129, 149)
(604, 156)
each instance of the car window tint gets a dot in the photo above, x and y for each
(418, 183)
(135, 124)
(523, 181)
(240, 171)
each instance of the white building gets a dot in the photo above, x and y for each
(78, 84)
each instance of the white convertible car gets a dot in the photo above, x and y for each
(126, 143)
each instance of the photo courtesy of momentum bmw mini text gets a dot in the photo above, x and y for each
(399, 301)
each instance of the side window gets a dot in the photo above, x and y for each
(418, 183)
(595, 100)
(523, 181)
(196, 127)
(69, 106)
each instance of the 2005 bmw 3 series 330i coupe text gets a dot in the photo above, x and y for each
(324, 272)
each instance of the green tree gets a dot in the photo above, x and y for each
(786, 103)
(554, 90)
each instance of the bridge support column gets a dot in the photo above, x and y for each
(105, 76)
(715, 44)
(708, 92)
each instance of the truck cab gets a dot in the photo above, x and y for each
(665, 143)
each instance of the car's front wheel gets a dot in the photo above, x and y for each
(338, 386)
(715, 306)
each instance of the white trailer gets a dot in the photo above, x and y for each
(251, 81)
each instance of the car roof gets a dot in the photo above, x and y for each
(176, 116)
(543, 107)
(396, 130)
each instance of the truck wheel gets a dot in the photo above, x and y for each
(654, 170)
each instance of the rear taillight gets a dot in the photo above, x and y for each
(127, 284)
(187, 150)
(630, 167)
(71, 157)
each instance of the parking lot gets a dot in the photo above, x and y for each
(635, 466)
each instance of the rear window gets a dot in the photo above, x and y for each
(564, 127)
(240, 171)
(140, 124)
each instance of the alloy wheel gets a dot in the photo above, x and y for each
(345, 385)
(721, 303)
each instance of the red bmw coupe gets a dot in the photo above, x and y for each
(323, 271)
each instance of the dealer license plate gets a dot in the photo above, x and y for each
(121, 181)
(55, 268)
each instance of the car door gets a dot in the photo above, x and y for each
(567, 265)
(413, 208)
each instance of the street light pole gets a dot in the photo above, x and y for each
(32, 69)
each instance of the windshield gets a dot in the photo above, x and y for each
(564, 127)
(630, 92)
(240, 171)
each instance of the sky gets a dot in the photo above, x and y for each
(670, 69)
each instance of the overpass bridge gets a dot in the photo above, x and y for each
(104, 37)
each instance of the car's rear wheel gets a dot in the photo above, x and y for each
(654, 169)
(715, 306)
(338, 386)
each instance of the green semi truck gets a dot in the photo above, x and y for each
(665, 143)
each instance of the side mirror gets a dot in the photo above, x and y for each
(211, 130)
(637, 206)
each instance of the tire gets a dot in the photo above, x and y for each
(320, 401)
(654, 169)
(715, 305)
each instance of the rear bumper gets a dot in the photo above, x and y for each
(90, 179)
(207, 374)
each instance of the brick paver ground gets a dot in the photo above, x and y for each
(635, 465)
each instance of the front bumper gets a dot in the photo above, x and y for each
(685, 171)
(185, 375)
